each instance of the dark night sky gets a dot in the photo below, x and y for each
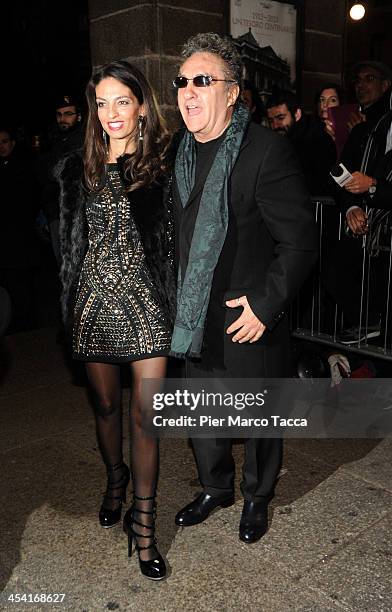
(44, 53)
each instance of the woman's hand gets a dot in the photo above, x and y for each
(328, 126)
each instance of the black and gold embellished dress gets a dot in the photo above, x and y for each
(117, 315)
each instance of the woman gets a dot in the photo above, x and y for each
(123, 291)
(327, 97)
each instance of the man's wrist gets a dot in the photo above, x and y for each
(372, 187)
(352, 208)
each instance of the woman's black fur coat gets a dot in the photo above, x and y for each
(152, 213)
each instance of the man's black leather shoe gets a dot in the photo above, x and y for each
(200, 509)
(254, 521)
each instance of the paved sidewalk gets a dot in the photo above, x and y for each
(329, 546)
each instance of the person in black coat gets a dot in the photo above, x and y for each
(315, 149)
(252, 100)
(68, 137)
(19, 250)
(246, 240)
(372, 81)
(118, 287)
(343, 276)
(370, 216)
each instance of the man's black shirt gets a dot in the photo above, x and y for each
(185, 217)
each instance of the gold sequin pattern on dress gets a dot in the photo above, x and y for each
(117, 316)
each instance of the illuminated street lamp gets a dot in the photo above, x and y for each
(357, 11)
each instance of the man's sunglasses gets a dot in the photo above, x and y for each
(201, 80)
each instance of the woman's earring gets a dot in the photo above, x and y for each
(105, 141)
(140, 124)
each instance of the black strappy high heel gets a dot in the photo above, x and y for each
(154, 569)
(117, 483)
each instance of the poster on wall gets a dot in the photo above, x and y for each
(265, 33)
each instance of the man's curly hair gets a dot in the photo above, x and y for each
(210, 42)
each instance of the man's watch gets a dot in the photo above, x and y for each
(373, 187)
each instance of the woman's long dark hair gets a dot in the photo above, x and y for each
(339, 92)
(149, 161)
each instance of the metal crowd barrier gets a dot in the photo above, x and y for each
(317, 315)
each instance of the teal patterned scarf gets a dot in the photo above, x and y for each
(209, 234)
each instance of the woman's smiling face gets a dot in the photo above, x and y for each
(118, 110)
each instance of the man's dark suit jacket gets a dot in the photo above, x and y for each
(269, 250)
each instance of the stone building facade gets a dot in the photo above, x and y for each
(262, 65)
(150, 34)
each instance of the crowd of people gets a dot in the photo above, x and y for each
(192, 247)
(355, 273)
(30, 256)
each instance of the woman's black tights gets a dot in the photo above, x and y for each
(105, 384)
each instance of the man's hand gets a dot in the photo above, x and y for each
(360, 183)
(250, 327)
(357, 221)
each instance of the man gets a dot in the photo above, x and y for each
(69, 137)
(372, 82)
(283, 112)
(245, 241)
(345, 264)
(374, 186)
(67, 114)
(7, 144)
(315, 149)
(19, 253)
(251, 98)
